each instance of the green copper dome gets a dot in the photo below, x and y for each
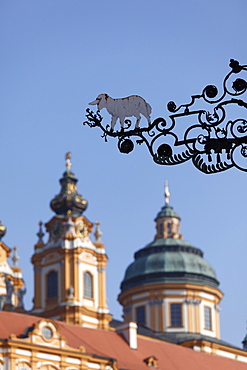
(169, 261)
(169, 258)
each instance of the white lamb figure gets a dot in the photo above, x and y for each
(133, 105)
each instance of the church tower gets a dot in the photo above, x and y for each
(69, 269)
(169, 287)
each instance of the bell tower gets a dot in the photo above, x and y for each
(69, 269)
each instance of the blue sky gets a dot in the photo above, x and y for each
(56, 56)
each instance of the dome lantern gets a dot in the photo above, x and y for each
(167, 220)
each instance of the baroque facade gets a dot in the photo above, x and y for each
(170, 297)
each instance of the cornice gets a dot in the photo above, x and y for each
(159, 288)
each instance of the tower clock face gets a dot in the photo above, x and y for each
(81, 229)
(56, 230)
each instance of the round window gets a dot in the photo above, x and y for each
(47, 332)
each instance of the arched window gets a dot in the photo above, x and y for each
(52, 284)
(88, 285)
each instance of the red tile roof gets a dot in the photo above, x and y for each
(110, 344)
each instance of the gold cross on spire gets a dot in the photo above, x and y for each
(167, 194)
(68, 163)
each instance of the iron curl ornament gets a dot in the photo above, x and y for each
(214, 141)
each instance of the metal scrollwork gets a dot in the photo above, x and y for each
(214, 141)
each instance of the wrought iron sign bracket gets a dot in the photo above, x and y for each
(215, 142)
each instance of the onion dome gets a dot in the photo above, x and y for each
(68, 199)
(2, 230)
(169, 258)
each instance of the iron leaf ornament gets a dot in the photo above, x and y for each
(212, 138)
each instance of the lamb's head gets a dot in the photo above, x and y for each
(100, 101)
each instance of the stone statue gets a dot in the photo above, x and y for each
(71, 292)
(2, 301)
(9, 290)
(20, 293)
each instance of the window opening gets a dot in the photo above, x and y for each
(161, 229)
(88, 285)
(47, 332)
(169, 228)
(52, 284)
(207, 318)
(140, 315)
(176, 314)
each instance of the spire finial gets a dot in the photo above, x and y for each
(98, 233)
(68, 163)
(40, 233)
(167, 194)
(15, 258)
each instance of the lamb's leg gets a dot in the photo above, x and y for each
(138, 118)
(149, 120)
(113, 122)
(121, 119)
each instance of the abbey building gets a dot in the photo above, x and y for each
(170, 297)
